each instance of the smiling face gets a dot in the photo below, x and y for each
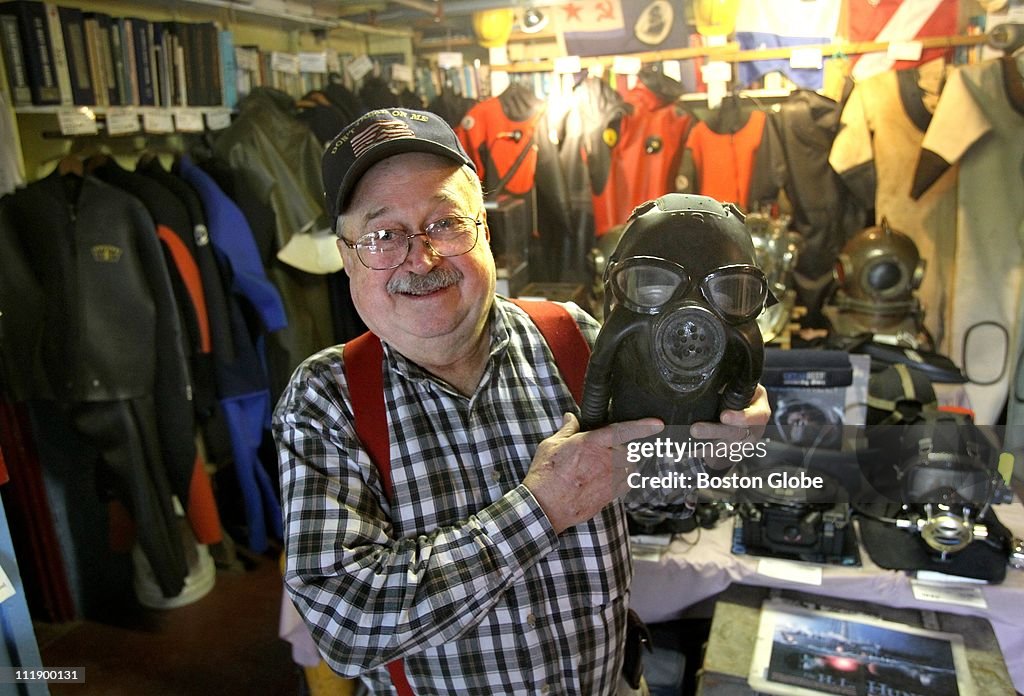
(432, 309)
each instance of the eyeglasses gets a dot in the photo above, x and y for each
(386, 249)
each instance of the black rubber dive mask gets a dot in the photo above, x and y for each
(682, 295)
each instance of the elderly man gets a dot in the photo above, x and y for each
(486, 555)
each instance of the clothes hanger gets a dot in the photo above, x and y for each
(74, 161)
(667, 88)
(71, 163)
(728, 117)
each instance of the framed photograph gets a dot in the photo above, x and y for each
(802, 651)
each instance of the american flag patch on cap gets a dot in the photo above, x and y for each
(379, 132)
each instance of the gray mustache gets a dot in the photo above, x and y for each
(415, 284)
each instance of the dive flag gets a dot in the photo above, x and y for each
(782, 24)
(611, 27)
(896, 21)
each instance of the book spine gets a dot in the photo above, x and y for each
(61, 66)
(180, 74)
(228, 69)
(131, 69)
(118, 56)
(37, 50)
(99, 78)
(116, 39)
(161, 54)
(211, 50)
(106, 56)
(14, 61)
(78, 55)
(143, 56)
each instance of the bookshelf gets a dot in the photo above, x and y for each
(44, 133)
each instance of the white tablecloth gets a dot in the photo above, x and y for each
(688, 573)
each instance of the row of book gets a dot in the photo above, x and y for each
(62, 56)
(56, 55)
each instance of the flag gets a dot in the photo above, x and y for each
(898, 21)
(611, 27)
(781, 24)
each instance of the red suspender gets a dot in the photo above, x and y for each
(363, 357)
(564, 338)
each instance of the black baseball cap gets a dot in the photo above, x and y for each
(377, 135)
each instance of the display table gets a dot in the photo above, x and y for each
(731, 644)
(688, 573)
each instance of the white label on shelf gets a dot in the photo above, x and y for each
(716, 71)
(565, 65)
(284, 62)
(333, 61)
(400, 72)
(310, 62)
(122, 122)
(672, 68)
(247, 59)
(789, 570)
(6, 586)
(218, 120)
(904, 50)
(159, 121)
(77, 121)
(626, 65)
(963, 595)
(449, 59)
(189, 120)
(359, 67)
(805, 57)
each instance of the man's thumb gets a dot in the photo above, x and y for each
(570, 425)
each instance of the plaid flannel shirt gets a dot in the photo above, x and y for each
(462, 576)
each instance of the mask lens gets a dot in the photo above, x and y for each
(738, 293)
(646, 287)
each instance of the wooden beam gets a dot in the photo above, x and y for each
(731, 53)
(431, 8)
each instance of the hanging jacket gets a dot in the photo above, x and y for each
(174, 230)
(646, 153)
(498, 132)
(245, 397)
(793, 157)
(588, 135)
(110, 344)
(210, 274)
(280, 158)
(721, 164)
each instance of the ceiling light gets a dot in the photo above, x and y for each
(533, 21)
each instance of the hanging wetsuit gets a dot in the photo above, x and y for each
(173, 229)
(721, 153)
(510, 134)
(793, 157)
(979, 124)
(646, 148)
(245, 397)
(108, 345)
(587, 136)
(875, 151)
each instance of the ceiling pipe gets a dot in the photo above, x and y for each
(434, 9)
(460, 8)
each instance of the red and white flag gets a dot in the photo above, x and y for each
(897, 21)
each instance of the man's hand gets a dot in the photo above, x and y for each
(572, 474)
(736, 426)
